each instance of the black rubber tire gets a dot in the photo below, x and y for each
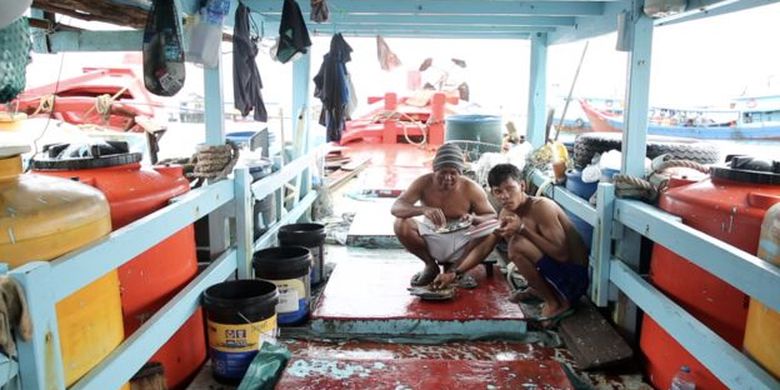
(588, 144)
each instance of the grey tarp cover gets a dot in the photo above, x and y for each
(247, 84)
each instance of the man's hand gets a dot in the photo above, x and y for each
(510, 225)
(435, 215)
(467, 218)
(443, 280)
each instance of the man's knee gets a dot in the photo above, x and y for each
(404, 227)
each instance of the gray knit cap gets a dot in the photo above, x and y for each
(449, 155)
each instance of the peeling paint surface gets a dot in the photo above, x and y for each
(324, 374)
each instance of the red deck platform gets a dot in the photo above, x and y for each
(368, 365)
(367, 296)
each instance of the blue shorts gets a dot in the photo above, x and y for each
(569, 280)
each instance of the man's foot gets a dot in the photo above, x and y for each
(426, 276)
(467, 281)
(525, 295)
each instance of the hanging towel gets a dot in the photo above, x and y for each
(14, 315)
(293, 35)
(319, 11)
(387, 59)
(332, 88)
(162, 50)
(247, 84)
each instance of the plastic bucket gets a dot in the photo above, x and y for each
(575, 184)
(476, 134)
(288, 267)
(309, 235)
(240, 315)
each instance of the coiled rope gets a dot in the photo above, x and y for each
(209, 162)
(387, 115)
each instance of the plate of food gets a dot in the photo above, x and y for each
(484, 228)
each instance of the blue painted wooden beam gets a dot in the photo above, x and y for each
(79, 268)
(740, 269)
(133, 353)
(733, 368)
(601, 252)
(699, 9)
(386, 29)
(570, 202)
(443, 7)
(537, 91)
(427, 34)
(64, 41)
(457, 20)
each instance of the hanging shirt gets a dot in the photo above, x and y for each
(247, 84)
(293, 35)
(332, 87)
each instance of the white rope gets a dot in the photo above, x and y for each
(388, 115)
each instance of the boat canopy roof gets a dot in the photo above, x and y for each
(561, 20)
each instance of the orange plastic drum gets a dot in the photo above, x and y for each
(43, 218)
(730, 206)
(154, 277)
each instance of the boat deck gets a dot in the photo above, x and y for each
(367, 332)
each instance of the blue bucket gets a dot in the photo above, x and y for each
(575, 184)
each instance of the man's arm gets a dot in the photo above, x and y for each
(404, 206)
(481, 207)
(551, 239)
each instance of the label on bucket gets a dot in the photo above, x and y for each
(233, 346)
(292, 292)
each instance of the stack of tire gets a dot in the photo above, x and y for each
(588, 144)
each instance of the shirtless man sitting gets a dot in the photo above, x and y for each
(445, 196)
(543, 244)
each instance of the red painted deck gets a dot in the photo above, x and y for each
(392, 166)
(322, 374)
(374, 290)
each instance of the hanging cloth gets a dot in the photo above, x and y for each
(293, 35)
(387, 59)
(247, 84)
(162, 50)
(319, 11)
(332, 88)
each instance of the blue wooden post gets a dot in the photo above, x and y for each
(635, 134)
(537, 94)
(640, 32)
(40, 359)
(301, 106)
(602, 244)
(215, 135)
(244, 222)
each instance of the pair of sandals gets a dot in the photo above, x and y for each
(422, 279)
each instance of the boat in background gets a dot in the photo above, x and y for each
(107, 97)
(753, 118)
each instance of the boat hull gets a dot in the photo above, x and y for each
(604, 123)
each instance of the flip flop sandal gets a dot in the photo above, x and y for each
(467, 281)
(524, 296)
(428, 294)
(553, 321)
(422, 279)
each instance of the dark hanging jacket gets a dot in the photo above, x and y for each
(293, 35)
(332, 89)
(247, 84)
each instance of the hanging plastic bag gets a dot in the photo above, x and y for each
(206, 33)
(163, 52)
(14, 56)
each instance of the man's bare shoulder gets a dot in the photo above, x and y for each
(545, 205)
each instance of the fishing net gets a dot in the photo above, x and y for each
(14, 56)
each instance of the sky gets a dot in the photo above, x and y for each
(703, 62)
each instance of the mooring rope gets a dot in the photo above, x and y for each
(388, 115)
(209, 162)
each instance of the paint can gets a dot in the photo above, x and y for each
(241, 316)
(309, 235)
(288, 267)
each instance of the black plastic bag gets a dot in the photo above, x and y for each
(163, 50)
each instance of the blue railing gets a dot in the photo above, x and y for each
(46, 283)
(742, 270)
